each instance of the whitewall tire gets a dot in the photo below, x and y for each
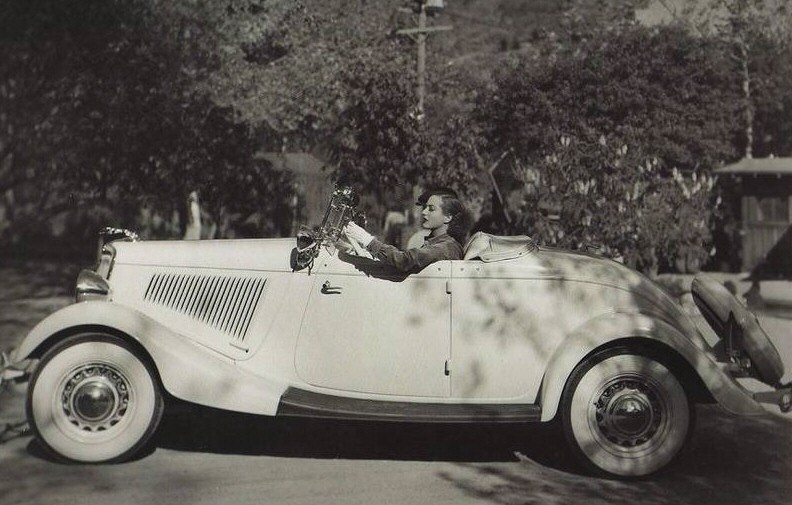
(93, 398)
(625, 415)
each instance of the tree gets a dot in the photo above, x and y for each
(772, 99)
(382, 148)
(758, 36)
(634, 96)
(277, 64)
(102, 119)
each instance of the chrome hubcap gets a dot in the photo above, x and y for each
(628, 413)
(95, 397)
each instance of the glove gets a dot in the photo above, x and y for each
(358, 234)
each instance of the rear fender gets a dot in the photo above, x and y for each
(188, 370)
(608, 328)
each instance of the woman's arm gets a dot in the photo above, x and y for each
(412, 259)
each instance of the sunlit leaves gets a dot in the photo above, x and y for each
(604, 130)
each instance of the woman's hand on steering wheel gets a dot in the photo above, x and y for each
(357, 235)
(353, 239)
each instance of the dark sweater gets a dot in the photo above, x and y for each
(442, 247)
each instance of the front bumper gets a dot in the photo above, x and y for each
(12, 371)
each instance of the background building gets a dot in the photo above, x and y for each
(765, 191)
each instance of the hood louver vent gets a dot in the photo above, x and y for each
(225, 303)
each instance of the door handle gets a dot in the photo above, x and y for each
(327, 289)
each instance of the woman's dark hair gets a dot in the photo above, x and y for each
(439, 191)
(460, 217)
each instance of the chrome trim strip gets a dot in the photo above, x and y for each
(300, 403)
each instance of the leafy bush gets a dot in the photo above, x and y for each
(601, 141)
(613, 197)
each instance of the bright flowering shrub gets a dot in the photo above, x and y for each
(615, 145)
(616, 199)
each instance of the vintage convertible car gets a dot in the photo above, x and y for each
(512, 333)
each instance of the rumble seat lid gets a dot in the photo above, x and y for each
(488, 248)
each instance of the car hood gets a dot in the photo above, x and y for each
(245, 254)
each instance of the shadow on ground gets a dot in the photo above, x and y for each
(731, 460)
(200, 429)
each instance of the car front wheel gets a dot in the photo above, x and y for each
(625, 415)
(92, 398)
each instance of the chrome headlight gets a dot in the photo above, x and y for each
(91, 286)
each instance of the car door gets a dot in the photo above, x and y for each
(367, 332)
(505, 316)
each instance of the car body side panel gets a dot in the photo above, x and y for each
(226, 310)
(506, 325)
(513, 331)
(610, 327)
(376, 334)
(188, 370)
(224, 294)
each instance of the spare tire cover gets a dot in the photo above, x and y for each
(716, 303)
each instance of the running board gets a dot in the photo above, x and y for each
(300, 403)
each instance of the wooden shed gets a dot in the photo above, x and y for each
(765, 186)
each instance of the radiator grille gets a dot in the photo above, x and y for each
(223, 302)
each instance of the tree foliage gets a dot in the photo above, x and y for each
(615, 198)
(102, 119)
(634, 97)
(107, 107)
(384, 148)
(757, 36)
(278, 63)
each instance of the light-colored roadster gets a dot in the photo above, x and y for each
(512, 333)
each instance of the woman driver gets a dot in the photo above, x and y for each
(447, 221)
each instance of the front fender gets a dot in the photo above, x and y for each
(611, 327)
(188, 370)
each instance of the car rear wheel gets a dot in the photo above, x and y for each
(625, 414)
(93, 398)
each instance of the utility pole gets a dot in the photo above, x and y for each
(421, 58)
(423, 8)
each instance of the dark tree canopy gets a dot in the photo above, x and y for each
(597, 137)
(112, 112)
(101, 121)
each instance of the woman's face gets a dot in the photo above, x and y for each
(432, 214)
